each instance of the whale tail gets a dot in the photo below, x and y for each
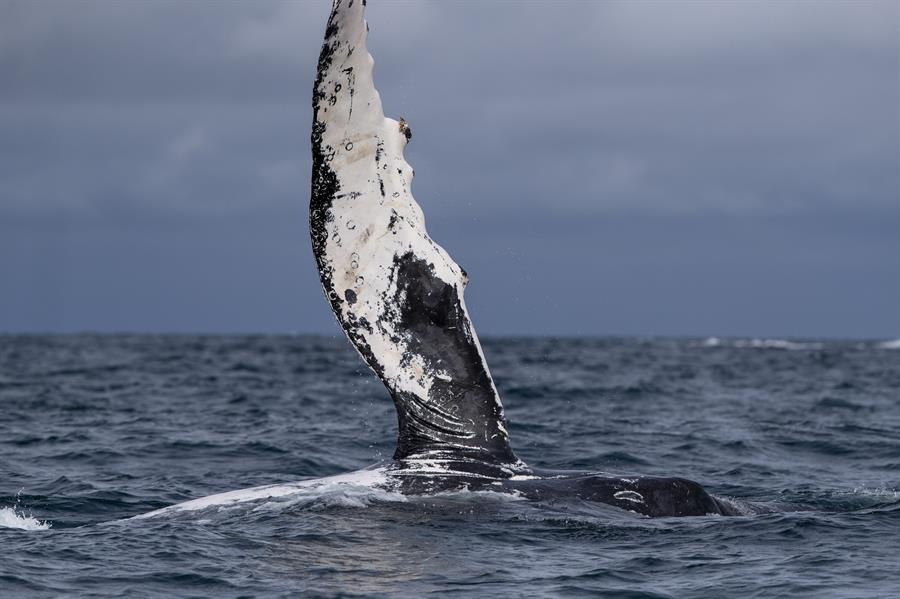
(395, 292)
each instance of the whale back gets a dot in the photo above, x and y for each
(396, 293)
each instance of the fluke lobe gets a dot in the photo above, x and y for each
(399, 298)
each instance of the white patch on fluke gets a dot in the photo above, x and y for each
(374, 216)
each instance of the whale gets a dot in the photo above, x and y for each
(398, 297)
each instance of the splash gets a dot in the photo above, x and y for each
(10, 517)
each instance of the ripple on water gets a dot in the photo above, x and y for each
(95, 430)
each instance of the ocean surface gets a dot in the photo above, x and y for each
(97, 429)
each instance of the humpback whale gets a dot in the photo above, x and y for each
(398, 296)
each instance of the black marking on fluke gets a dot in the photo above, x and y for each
(461, 406)
(459, 422)
(325, 184)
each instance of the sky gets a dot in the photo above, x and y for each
(618, 168)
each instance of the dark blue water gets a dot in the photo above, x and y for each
(96, 429)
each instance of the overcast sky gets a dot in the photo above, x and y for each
(648, 168)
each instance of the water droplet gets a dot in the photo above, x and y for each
(332, 100)
(360, 281)
(396, 194)
(349, 146)
(351, 225)
(337, 87)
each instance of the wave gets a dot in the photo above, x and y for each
(761, 344)
(11, 518)
(893, 344)
(883, 493)
(776, 344)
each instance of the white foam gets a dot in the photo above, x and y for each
(740, 507)
(10, 518)
(893, 344)
(760, 344)
(365, 480)
(878, 492)
(776, 344)
(334, 495)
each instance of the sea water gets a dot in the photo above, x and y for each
(95, 430)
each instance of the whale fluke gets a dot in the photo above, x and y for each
(396, 293)
(399, 298)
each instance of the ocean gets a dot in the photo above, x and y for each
(96, 429)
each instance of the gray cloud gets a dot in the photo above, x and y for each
(612, 155)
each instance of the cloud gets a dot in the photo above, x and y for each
(190, 143)
(280, 33)
(651, 106)
(531, 120)
(285, 176)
